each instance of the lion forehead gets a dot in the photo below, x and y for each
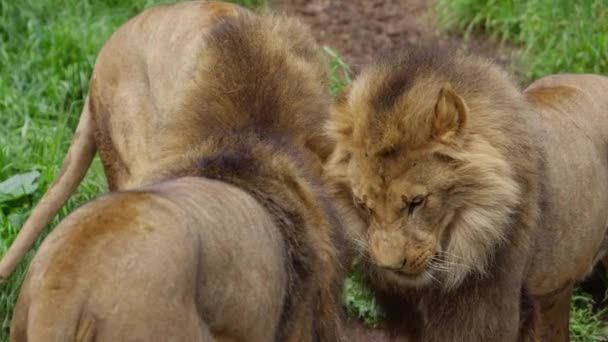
(365, 178)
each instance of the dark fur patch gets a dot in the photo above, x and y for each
(300, 257)
(405, 67)
(401, 316)
(254, 80)
(529, 329)
(231, 162)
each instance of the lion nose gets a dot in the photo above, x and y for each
(387, 251)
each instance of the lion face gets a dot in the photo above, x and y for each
(405, 200)
(436, 198)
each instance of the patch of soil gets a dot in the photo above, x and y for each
(360, 29)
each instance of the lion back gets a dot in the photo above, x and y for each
(245, 80)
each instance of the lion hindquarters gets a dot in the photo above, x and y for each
(111, 270)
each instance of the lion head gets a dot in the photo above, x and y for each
(422, 152)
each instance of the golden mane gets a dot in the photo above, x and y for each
(388, 111)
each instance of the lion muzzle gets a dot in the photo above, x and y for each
(392, 250)
(387, 249)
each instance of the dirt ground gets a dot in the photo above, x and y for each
(361, 29)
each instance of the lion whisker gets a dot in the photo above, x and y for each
(439, 266)
(449, 264)
(432, 277)
(441, 269)
(456, 264)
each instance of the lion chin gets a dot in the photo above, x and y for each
(423, 279)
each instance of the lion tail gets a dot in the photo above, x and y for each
(79, 158)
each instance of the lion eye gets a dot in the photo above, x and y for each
(413, 204)
(417, 201)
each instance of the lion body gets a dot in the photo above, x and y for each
(249, 249)
(508, 192)
(164, 82)
(572, 111)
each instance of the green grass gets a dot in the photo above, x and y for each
(250, 3)
(341, 75)
(586, 323)
(360, 301)
(556, 35)
(47, 51)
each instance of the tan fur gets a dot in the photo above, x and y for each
(190, 259)
(470, 193)
(159, 88)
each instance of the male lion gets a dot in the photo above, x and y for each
(212, 91)
(482, 205)
(166, 81)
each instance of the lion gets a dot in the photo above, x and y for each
(481, 205)
(163, 83)
(208, 119)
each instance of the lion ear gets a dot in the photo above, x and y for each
(341, 124)
(450, 113)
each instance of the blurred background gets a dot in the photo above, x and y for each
(48, 48)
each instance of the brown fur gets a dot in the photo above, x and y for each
(190, 259)
(468, 196)
(175, 75)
